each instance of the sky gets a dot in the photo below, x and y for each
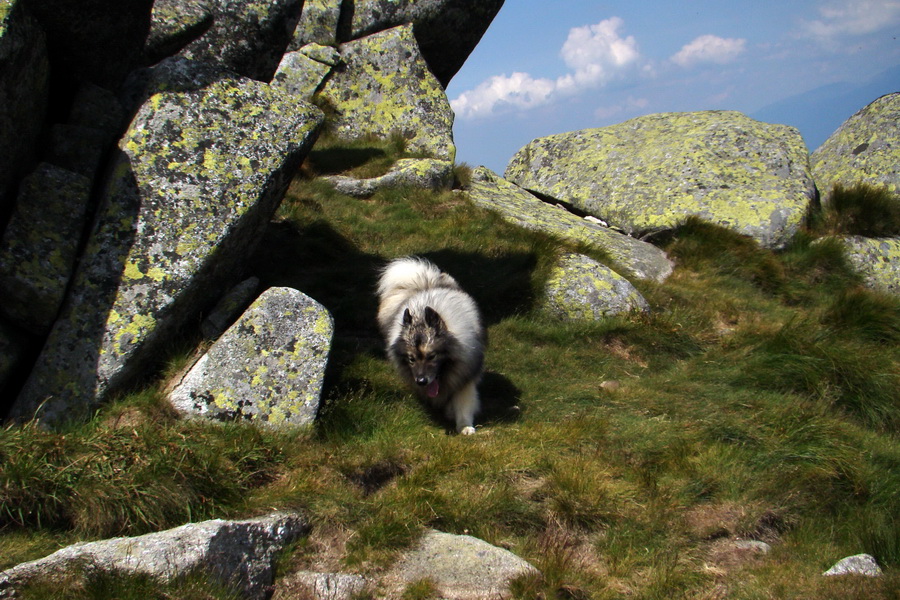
(551, 67)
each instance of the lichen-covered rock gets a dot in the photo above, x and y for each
(11, 352)
(385, 88)
(517, 206)
(24, 79)
(863, 565)
(320, 586)
(650, 173)
(174, 24)
(198, 175)
(248, 37)
(447, 30)
(877, 260)
(582, 289)
(268, 367)
(77, 148)
(423, 173)
(461, 567)
(865, 149)
(300, 75)
(318, 24)
(234, 553)
(40, 245)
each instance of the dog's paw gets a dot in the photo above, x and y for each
(467, 430)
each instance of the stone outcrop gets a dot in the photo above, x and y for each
(446, 30)
(40, 245)
(864, 149)
(638, 259)
(580, 288)
(422, 173)
(385, 88)
(241, 554)
(863, 565)
(877, 260)
(301, 73)
(268, 367)
(460, 567)
(648, 174)
(181, 208)
(24, 85)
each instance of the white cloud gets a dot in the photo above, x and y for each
(709, 49)
(595, 54)
(851, 17)
(629, 106)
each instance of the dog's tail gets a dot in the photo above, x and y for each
(403, 278)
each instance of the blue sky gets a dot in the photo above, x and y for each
(545, 68)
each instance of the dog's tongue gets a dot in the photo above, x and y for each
(433, 388)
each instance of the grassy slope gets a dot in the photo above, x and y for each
(757, 400)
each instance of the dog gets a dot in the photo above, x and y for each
(434, 337)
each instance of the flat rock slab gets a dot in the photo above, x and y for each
(197, 177)
(864, 149)
(520, 207)
(268, 367)
(461, 567)
(420, 173)
(649, 174)
(238, 553)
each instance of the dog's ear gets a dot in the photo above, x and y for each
(433, 319)
(407, 317)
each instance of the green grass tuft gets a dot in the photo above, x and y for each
(860, 209)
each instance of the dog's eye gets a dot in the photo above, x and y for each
(430, 356)
(410, 359)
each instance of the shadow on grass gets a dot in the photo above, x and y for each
(323, 264)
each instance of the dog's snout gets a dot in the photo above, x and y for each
(422, 380)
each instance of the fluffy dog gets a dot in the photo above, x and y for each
(434, 336)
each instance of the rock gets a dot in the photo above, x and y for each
(461, 567)
(24, 84)
(40, 245)
(300, 75)
(424, 173)
(447, 30)
(861, 564)
(384, 89)
(754, 546)
(98, 108)
(580, 288)
(877, 260)
(267, 367)
(174, 24)
(237, 553)
(99, 41)
(229, 308)
(318, 24)
(182, 210)
(321, 586)
(77, 148)
(11, 353)
(517, 206)
(865, 149)
(648, 174)
(248, 38)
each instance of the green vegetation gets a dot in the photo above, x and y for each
(757, 400)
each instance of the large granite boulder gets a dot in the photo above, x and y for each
(385, 88)
(447, 30)
(519, 207)
(648, 174)
(24, 81)
(582, 289)
(174, 24)
(268, 367)
(318, 24)
(40, 245)
(247, 37)
(876, 259)
(241, 554)
(197, 177)
(301, 73)
(865, 149)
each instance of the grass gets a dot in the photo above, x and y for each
(757, 400)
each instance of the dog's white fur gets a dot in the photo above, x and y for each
(413, 284)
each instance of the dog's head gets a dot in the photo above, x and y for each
(423, 347)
